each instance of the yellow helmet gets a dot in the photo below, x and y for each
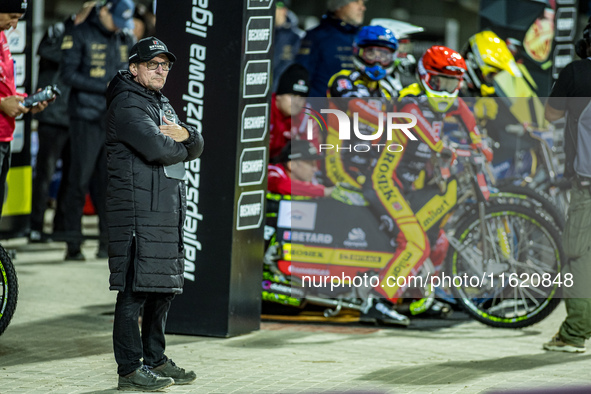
(486, 55)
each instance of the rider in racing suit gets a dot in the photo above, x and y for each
(491, 68)
(395, 173)
(433, 99)
(364, 92)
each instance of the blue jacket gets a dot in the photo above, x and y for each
(91, 57)
(326, 50)
(287, 44)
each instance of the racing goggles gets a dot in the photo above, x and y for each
(372, 55)
(443, 83)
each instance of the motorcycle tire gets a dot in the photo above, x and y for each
(8, 289)
(507, 303)
(538, 200)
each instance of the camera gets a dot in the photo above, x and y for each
(47, 93)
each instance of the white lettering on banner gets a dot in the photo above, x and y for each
(300, 236)
(259, 34)
(250, 210)
(254, 122)
(195, 87)
(193, 100)
(201, 18)
(256, 78)
(192, 245)
(252, 166)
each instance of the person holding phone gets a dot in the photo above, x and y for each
(11, 102)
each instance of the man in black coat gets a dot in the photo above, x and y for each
(93, 52)
(146, 204)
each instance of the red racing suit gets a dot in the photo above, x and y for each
(278, 181)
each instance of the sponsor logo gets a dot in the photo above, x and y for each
(318, 238)
(360, 258)
(356, 239)
(282, 289)
(259, 34)
(436, 213)
(287, 236)
(295, 269)
(250, 210)
(256, 78)
(259, 4)
(252, 167)
(254, 122)
(299, 252)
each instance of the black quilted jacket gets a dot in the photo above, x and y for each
(143, 203)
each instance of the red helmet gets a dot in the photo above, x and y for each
(441, 71)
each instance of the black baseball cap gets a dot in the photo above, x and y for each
(13, 6)
(147, 49)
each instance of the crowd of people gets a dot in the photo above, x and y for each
(79, 55)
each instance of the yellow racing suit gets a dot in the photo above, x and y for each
(393, 172)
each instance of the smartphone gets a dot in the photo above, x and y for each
(173, 171)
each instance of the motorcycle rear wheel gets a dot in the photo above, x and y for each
(522, 246)
(8, 290)
(538, 200)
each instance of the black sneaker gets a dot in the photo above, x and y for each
(144, 380)
(169, 369)
(74, 255)
(37, 237)
(102, 253)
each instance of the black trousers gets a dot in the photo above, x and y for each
(88, 160)
(53, 145)
(129, 345)
(4, 167)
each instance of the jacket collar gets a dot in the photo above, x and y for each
(330, 19)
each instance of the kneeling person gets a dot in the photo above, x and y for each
(294, 171)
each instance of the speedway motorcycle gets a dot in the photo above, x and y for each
(8, 289)
(500, 261)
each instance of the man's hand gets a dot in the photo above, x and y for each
(174, 131)
(12, 107)
(328, 191)
(40, 106)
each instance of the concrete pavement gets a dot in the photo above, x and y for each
(59, 341)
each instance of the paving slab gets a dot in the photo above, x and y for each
(60, 342)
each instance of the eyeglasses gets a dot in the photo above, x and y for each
(166, 66)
